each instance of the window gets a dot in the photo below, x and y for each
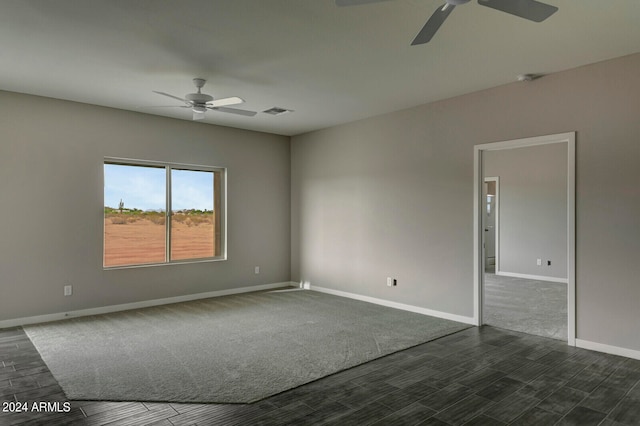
(137, 228)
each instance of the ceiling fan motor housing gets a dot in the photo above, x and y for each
(199, 98)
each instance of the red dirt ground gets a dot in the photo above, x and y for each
(143, 241)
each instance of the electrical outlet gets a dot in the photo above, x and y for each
(395, 282)
(539, 262)
(389, 281)
(68, 290)
(548, 263)
(256, 270)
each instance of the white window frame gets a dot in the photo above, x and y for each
(220, 208)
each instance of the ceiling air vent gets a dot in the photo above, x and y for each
(277, 111)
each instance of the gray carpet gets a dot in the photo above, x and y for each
(529, 306)
(232, 349)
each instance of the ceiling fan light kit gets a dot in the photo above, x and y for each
(531, 10)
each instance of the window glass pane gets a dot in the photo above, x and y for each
(192, 214)
(134, 215)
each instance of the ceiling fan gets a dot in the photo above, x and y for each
(200, 102)
(528, 9)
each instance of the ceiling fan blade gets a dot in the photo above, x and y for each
(234, 100)
(355, 2)
(235, 111)
(432, 25)
(528, 9)
(171, 96)
(198, 115)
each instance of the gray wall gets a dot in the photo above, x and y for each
(533, 208)
(387, 196)
(392, 195)
(51, 156)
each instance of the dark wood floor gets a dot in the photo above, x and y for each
(480, 376)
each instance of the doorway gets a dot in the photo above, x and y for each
(485, 203)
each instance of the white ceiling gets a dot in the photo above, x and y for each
(330, 64)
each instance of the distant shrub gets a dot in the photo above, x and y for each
(157, 219)
(187, 217)
(118, 220)
(179, 217)
(192, 218)
(205, 218)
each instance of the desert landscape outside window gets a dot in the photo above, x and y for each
(137, 228)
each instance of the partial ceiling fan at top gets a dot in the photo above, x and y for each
(531, 10)
(200, 102)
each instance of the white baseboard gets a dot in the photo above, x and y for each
(137, 305)
(396, 305)
(613, 350)
(532, 277)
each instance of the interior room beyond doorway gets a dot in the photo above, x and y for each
(524, 215)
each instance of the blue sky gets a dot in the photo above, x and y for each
(144, 188)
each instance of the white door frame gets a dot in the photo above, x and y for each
(496, 228)
(478, 180)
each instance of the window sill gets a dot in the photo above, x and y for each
(176, 262)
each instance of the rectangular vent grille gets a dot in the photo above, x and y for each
(277, 111)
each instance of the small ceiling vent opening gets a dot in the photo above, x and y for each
(277, 111)
(529, 77)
